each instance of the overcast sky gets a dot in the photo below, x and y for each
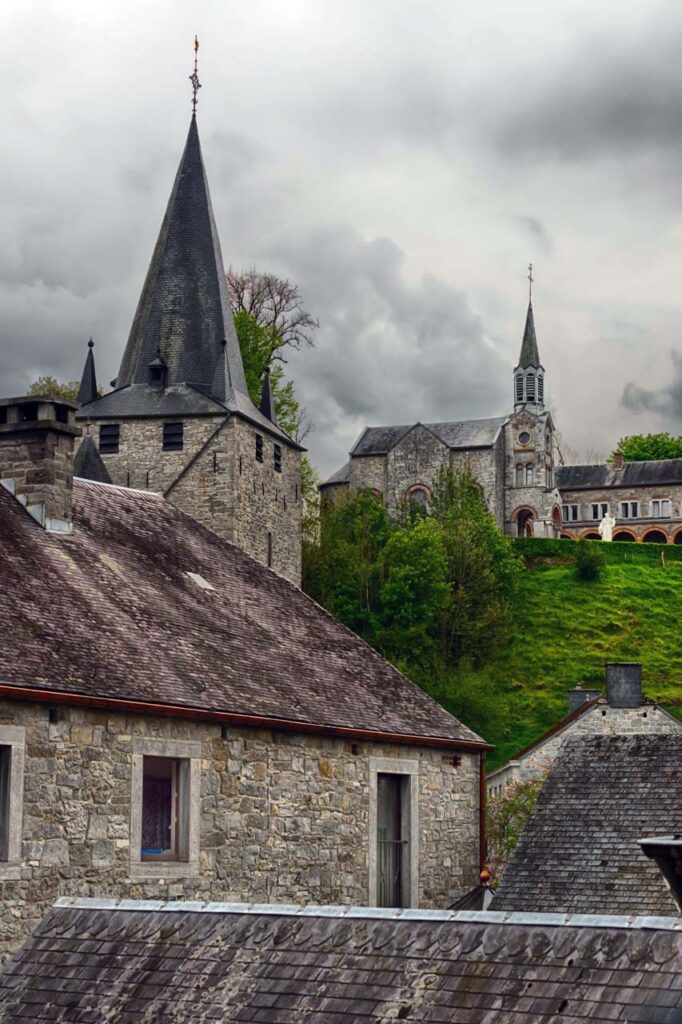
(401, 160)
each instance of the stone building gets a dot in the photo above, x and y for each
(621, 710)
(179, 420)
(179, 722)
(511, 456)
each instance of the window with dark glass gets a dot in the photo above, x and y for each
(277, 458)
(269, 550)
(164, 808)
(570, 513)
(599, 510)
(5, 780)
(173, 437)
(419, 496)
(259, 447)
(393, 853)
(520, 476)
(109, 435)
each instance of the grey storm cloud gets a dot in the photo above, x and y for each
(665, 401)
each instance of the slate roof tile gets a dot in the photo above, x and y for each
(633, 474)
(455, 434)
(109, 611)
(281, 967)
(579, 852)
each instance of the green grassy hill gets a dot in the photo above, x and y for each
(567, 629)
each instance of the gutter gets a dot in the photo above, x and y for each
(29, 693)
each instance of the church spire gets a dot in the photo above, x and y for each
(529, 375)
(267, 402)
(88, 389)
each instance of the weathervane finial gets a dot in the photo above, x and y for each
(194, 78)
(530, 282)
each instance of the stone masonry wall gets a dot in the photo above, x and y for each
(41, 464)
(600, 720)
(613, 496)
(368, 472)
(416, 459)
(284, 817)
(537, 453)
(483, 463)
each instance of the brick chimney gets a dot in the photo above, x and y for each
(618, 460)
(36, 456)
(577, 697)
(624, 685)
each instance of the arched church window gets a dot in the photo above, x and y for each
(530, 476)
(418, 496)
(530, 387)
(520, 476)
(541, 388)
(519, 387)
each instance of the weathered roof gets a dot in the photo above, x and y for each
(579, 852)
(197, 963)
(109, 611)
(88, 389)
(341, 476)
(529, 347)
(88, 463)
(455, 434)
(633, 474)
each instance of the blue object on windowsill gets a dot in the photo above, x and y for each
(146, 853)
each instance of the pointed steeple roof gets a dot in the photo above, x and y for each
(267, 402)
(88, 463)
(529, 349)
(184, 311)
(88, 389)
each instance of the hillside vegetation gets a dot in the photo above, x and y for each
(566, 629)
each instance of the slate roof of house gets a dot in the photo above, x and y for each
(196, 963)
(341, 476)
(109, 611)
(579, 852)
(529, 346)
(633, 474)
(456, 434)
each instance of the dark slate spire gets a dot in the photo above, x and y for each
(529, 349)
(88, 464)
(184, 312)
(88, 389)
(267, 404)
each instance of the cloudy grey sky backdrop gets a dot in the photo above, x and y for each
(402, 161)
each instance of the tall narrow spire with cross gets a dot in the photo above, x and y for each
(529, 375)
(194, 77)
(530, 282)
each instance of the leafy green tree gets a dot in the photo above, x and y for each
(590, 560)
(51, 386)
(646, 447)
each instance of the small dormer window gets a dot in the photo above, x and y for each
(157, 371)
(277, 458)
(173, 437)
(259, 447)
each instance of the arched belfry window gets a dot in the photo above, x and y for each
(530, 476)
(519, 387)
(520, 476)
(530, 387)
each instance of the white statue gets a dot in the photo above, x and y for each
(606, 527)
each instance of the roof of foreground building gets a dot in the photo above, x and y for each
(579, 852)
(141, 603)
(93, 960)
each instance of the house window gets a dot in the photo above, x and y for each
(530, 476)
(259, 447)
(660, 509)
(520, 476)
(569, 513)
(599, 510)
(165, 808)
(173, 437)
(629, 509)
(12, 745)
(394, 833)
(277, 458)
(109, 434)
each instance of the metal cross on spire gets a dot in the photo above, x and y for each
(194, 78)
(530, 282)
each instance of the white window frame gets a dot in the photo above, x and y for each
(14, 737)
(183, 750)
(660, 502)
(626, 510)
(394, 766)
(567, 516)
(600, 506)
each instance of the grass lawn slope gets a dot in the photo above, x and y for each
(566, 629)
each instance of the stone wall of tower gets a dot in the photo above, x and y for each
(217, 480)
(368, 473)
(416, 459)
(538, 453)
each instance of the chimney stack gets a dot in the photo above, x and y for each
(618, 460)
(36, 456)
(577, 697)
(624, 685)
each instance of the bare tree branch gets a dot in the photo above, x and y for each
(276, 304)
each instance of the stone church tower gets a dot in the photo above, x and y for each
(532, 505)
(180, 420)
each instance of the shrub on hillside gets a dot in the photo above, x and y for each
(589, 560)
